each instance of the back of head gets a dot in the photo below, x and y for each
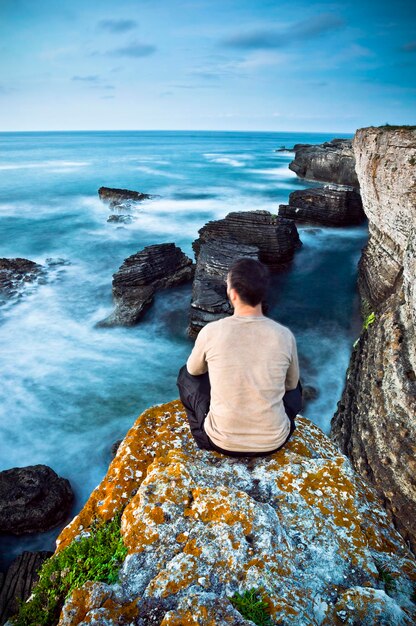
(250, 279)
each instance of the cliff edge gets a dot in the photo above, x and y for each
(300, 526)
(375, 424)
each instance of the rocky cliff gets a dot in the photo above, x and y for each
(300, 526)
(375, 423)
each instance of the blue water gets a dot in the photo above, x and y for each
(69, 390)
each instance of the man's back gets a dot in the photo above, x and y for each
(252, 361)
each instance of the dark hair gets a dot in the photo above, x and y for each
(250, 279)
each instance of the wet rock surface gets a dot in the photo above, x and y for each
(159, 266)
(332, 162)
(330, 206)
(375, 420)
(19, 581)
(33, 499)
(256, 234)
(199, 526)
(117, 198)
(16, 275)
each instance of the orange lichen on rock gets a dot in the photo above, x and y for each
(200, 526)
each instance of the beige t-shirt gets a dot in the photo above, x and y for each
(251, 362)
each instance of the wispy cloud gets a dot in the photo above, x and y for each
(117, 26)
(270, 38)
(409, 47)
(135, 50)
(94, 78)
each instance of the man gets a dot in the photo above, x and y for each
(240, 369)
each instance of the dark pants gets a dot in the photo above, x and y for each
(195, 394)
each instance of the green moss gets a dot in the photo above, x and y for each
(370, 319)
(394, 127)
(386, 577)
(96, 557)
(252, 605)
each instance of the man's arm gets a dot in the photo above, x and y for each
(292, 374)
(196, 363)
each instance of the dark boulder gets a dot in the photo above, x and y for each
(155, 267)
(19, 582)
(330, 162)
(120, 219)
(121, 197)
(329, 205)
(33, 499)
(255, 234)
(16, 274)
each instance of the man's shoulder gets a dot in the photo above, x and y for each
(279, 329)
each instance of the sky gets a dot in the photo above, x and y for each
(206, 65)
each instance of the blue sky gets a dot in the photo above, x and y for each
(206, 64)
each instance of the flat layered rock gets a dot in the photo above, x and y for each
(260, 235)
(121, 197)
(159, 266)
(330, 162)
(199, 526)
(16, 275)
(33, 499)
(330, 206)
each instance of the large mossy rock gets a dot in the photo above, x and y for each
(199, 526)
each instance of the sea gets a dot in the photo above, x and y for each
(69, 390)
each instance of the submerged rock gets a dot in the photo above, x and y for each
(155, 267)
(120, 219)
(16, 275)
(33, 499)
(121, 197)
(300, 524)
(19, 581)
(255, 234)
(375, 420)
(330, 162)
(329, 205)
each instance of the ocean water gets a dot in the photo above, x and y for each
(68, 389)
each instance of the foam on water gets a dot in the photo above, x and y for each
(69, 389)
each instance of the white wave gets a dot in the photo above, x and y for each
(58, 165)
(155, 172)
(225, 160)
(275, 172)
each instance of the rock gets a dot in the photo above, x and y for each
(284, 149)
(375, 420)
(199, 526)
(19, 581)
(330, 162)
(16, 274)
(121, 197)
(33, 499)
(123, 219)
(309, 393)
(329, 205)
(155, 267)
(255, 234)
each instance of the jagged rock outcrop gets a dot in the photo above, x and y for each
(375, 423)
(33, 499)
(117, 198)
(331, 206)
(255, 234)
(331, 162)
(155, 267)
(199, 526)
(19, 581)
(16, 274)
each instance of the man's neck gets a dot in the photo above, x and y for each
(245, 310)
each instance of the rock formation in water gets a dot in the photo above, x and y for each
(332, 162)
(330, 206)
(16, 274)
(33, 499)
(19, 581)
(255, 234)
(375, 423)
(155, 267)
(116, 198)
(300, 525)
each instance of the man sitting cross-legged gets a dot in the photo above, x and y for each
(242, 373)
